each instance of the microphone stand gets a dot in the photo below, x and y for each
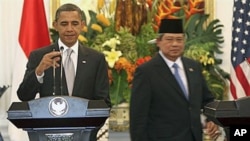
(61, 76)
(54, 76)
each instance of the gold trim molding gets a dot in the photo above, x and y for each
(210, 9)
(54, 4)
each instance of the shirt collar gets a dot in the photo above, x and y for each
(170, 63)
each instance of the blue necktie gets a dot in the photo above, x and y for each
(178, 78)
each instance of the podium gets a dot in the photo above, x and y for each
(231, 115)
(58, 118)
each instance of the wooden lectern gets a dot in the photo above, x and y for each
(59, 118)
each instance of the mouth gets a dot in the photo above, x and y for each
(69, 37)
(175, 50)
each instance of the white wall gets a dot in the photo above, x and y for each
(224, 12)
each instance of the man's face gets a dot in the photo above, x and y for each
(69, 26)
(171, 45)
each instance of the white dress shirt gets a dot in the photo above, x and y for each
(181, 68)
(64, 54)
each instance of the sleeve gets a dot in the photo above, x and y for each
(102, 83)
(139, 106)
(30, 85)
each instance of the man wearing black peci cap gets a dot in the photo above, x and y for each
(169, 92)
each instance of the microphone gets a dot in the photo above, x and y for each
(54, 76)
(61, 77)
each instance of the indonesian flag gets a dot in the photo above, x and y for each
(34, 31)
(33, 34)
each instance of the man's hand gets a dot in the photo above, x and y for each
(49, 60)
(212, 130)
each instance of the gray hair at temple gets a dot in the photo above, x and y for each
(69, 7)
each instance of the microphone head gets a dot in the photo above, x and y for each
(61, 48)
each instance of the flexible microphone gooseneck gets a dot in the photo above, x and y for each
(61, 77)
(54, 76)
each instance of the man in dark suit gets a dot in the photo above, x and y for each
(90, 68)
(161, 109)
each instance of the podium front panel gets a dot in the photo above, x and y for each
(61, 117)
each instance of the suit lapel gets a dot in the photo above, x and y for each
(190, 74)
(167, 74)
(81, 64)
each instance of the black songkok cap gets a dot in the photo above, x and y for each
(171, 26)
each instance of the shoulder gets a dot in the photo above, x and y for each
(84, 49)
(190, 61)
(42, 50)
(153, 66)
(154, 62)
(89, 54)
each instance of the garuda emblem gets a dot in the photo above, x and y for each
(58, 106)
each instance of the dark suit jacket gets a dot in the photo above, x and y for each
(91, 81)
(158, 109)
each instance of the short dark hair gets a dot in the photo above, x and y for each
(68, 7)
(160, 35)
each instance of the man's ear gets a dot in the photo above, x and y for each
(158, 39)
(54, 25)
(83, 24)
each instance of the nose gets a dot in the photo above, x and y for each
(69, 27)
(175, 42)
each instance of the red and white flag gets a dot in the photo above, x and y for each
(33, 34)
